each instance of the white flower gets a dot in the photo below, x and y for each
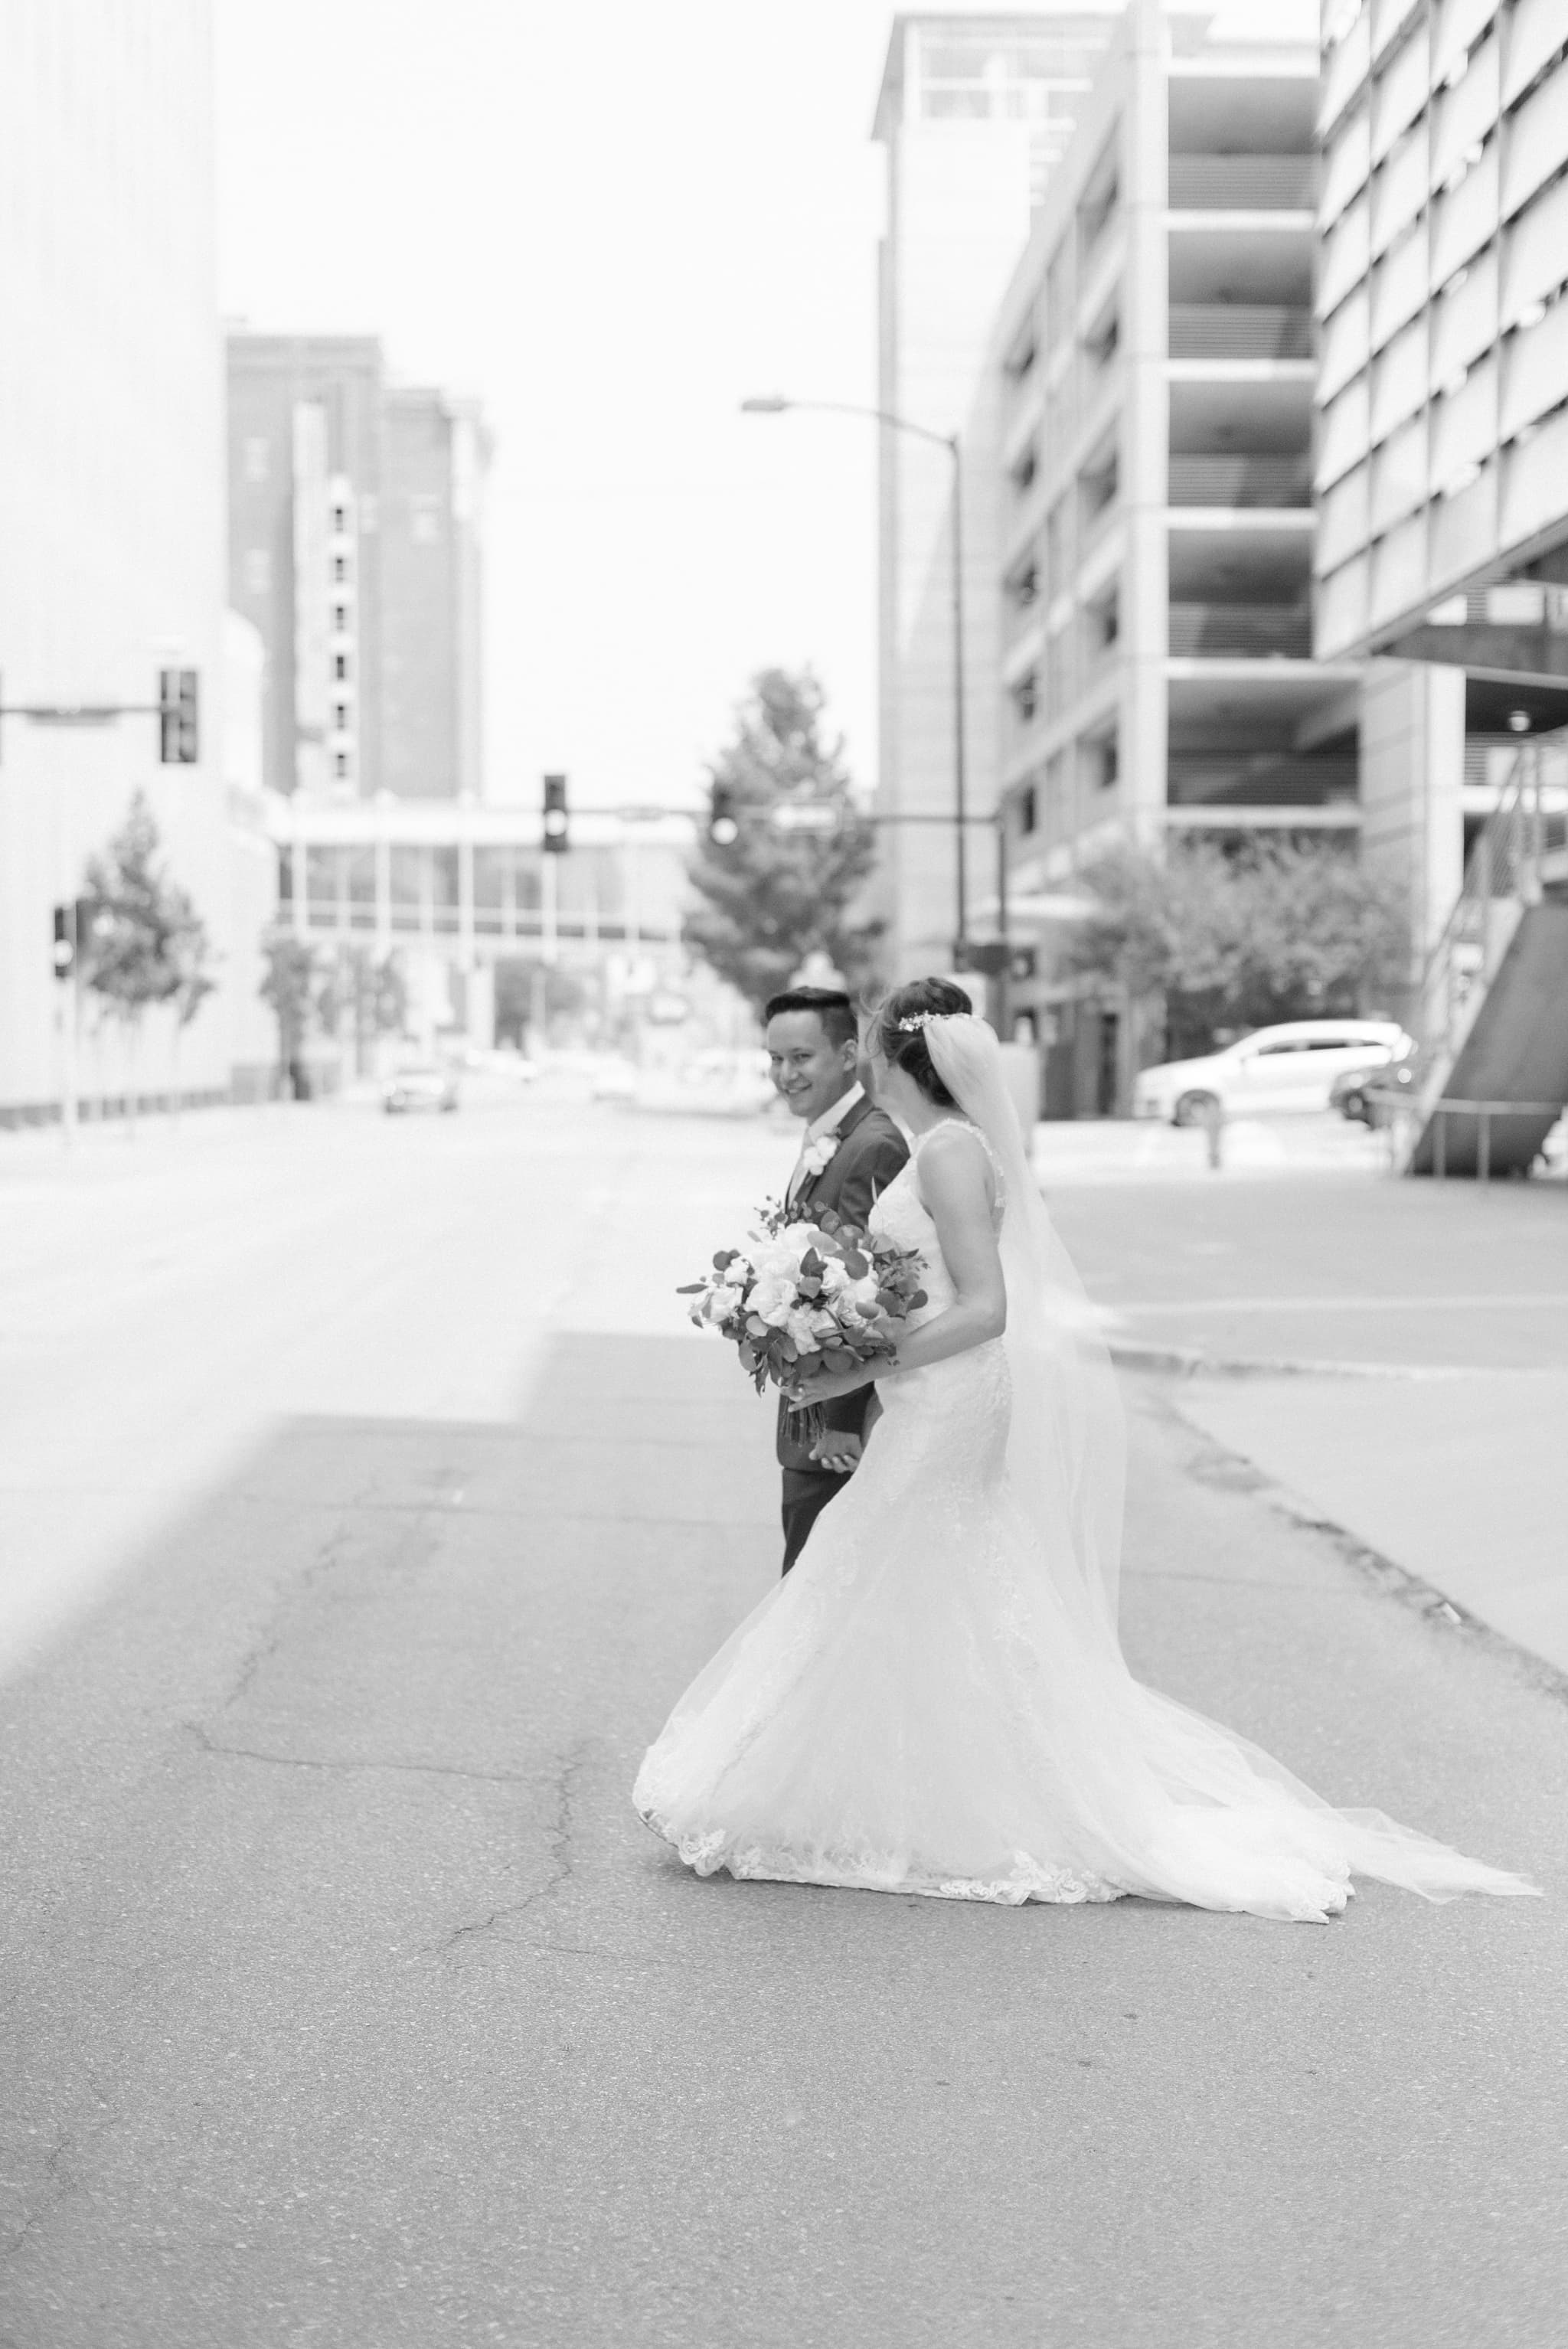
(722, 1302)
(773, 1298)
(800, 1326)
(816, 1156)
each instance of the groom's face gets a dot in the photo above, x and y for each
(809, 1069)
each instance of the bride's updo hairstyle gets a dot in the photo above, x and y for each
(905, 1047)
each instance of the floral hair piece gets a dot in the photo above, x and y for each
(921, 1020)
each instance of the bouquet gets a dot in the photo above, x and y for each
(809, 1293)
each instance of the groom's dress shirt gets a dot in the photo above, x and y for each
(829, 1122)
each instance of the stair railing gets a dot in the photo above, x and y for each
(1505, 868)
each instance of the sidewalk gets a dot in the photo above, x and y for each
(1393, 1353)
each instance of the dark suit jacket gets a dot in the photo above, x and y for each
(871, 1151)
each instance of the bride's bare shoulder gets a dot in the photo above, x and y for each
(952, 1164)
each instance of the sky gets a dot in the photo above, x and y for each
(611, 221)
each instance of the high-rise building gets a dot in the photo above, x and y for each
(1152, 371)
(1442, 477)
(355, 549)
(975, 112)
(111, 518)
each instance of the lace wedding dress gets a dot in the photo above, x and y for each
(934, 1700)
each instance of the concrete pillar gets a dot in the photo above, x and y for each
(1412, 732)
(1145, 428)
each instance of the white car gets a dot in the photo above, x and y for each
(1291, 1067)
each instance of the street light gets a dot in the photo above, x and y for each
(774, 403)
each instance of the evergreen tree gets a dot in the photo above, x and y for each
(775, 894)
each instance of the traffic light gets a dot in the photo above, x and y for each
(723, 829)
(1024, 962)
(65, 941)
(179, 733)
(557, 840)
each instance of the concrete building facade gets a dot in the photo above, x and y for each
(111, 518)
(974, 114)
(355, 520)
(1442, 477)
(1154, 373)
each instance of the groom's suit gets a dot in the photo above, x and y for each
(871, 1151)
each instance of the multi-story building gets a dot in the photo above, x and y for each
(1154, 370)
(111, 516)
(1443, 480)
(467, 901)
(974, 113)
(354, 548)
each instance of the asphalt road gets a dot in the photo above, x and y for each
(344, 2002)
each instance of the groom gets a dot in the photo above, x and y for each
(850, 1152)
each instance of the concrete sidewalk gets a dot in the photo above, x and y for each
(1436, 1318)
(347, 2000)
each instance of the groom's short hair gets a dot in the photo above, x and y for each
(832, 1007)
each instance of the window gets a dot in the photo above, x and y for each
(1028, 812)
(340, 518)
(340, 667)
(1023, 586)
(257, 455)
(257, 571)
(1109, 758)
(340, 566)
(340, 715)
(340, 616)
(424, 519)
(340, 766)
(1026, 697)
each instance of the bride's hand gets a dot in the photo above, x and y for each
(823, 1386)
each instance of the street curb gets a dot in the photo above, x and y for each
(1188, 1362)
(1408, 1590)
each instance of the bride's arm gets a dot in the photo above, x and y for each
(955, 1186)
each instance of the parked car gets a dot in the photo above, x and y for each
(419, 1088)
(1291, 1067)
(1351, 1094)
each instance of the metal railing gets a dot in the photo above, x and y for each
(1239, 330)
(1517, 850)
(1239, 632)
(1253, 183)
(1208, 480)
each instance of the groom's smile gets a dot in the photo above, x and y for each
(809, 1069)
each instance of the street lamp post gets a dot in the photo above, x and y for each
(775, 404)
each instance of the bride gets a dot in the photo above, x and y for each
(935, 1700)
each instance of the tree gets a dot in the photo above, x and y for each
(288, 985)
(374, 997)
(144, 942)
(1281, 930)
(772, 896)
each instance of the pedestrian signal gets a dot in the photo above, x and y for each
(557, 823)
(65, 940)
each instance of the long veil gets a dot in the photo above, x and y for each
(1067, 1453)
(1204, 1813)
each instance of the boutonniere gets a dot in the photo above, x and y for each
(818, 1155)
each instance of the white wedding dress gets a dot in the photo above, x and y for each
(934, 1700)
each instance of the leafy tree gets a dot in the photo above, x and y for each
(144, 942)
(373, 996)
(289, 981)
(772, 896)
(1281, 930)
